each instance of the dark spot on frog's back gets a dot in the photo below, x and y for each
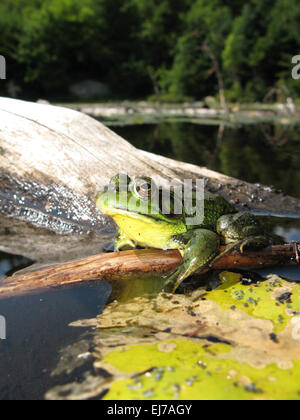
(2, 152)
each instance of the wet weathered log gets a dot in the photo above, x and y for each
(127, 264)
(53, 160)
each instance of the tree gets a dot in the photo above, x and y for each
(258, 51)
(206, 25)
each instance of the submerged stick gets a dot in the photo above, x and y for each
(114, 266)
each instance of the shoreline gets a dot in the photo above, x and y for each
(135, 113)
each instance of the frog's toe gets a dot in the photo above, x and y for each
(254, 242)
(245, 244)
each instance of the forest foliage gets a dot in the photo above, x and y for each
(167, 49)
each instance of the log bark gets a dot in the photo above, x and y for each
(114, 266)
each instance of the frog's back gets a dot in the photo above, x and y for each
(215, 206)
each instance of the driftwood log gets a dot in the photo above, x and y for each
(127, 264)
(52, 162)
(43, 146)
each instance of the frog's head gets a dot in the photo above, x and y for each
(138, 199)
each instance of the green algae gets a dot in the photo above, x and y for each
(261, 300)
(197, 372)
(190, 370)
(160, 348)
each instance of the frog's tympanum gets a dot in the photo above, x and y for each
(137, 207)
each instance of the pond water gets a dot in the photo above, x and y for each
(37, 326)
(259, 154)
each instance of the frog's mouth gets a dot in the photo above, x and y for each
(132, 214)
(121, 213)
(118, 210)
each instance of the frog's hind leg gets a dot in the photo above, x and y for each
(199, 248)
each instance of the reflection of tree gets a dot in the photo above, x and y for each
(275, 134)
(243, 153)
(190, 143)
(255, 160)
(185, 142)
(220, 137)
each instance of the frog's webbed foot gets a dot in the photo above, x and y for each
(254, 242)
(202, 247)
(243, 230)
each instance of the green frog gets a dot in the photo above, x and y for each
(137, 207)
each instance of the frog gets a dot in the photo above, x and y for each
(137, 207)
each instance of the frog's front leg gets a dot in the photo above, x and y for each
(122, 242)
(198, 248)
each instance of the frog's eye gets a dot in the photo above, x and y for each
(170, 205)
(142, 188)
(119, 182)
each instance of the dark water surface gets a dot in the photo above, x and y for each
(263, 154)
(37, 326)
(36, 330)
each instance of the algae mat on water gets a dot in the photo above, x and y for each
(239, 341)
(187, 370)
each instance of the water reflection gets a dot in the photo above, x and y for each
(9, 263)
(266, 154)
